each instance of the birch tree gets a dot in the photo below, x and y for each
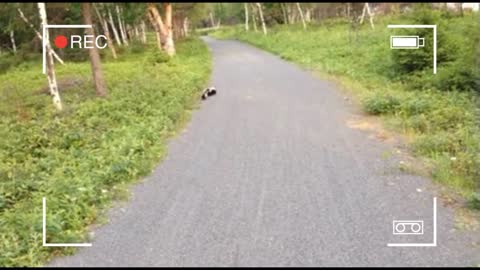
(264, 27)
(114, 29)
(158, 33)
(38, 34)
(169, 44)
(185, 26)
(254, 20)
(308, 15)
(12, 39)
(100, 87)
(104, 24)
(52, 80)
(246, 16)
(284, 13)
(301, 15)
(142, 29)
(366, 9)
(120, 26)
(212, 21)
(136, 32)
(164, 29)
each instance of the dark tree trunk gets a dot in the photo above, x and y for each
(100, 86)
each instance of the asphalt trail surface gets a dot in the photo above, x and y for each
(269, 173)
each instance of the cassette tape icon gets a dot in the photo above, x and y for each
(404, 227)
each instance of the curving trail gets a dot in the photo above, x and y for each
(268, 173)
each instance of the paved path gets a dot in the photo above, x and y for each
(268, 173)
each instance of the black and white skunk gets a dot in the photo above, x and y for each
(210, 91)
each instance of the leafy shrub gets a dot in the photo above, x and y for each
(136, 47)
(409, 61)
(442, 142)
(381, 103)
(414, 106)
(157, 57)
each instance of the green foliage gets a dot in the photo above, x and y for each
(474, 201)
(439, 112)
(457, 39)
(156, 57)
(82, 158)
(381, 103)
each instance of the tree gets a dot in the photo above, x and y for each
(366, 9)
(301, 15)
(121, 26)
(254, 18)
(99, 83)
(52, 80)
(104, 24)
(262, 20)
(143, 31)
(284, 13)
(114, 29)
(38, 34)
(12, 39)
(164, 30)
(169, 45)
(158, 32)
(246, 16)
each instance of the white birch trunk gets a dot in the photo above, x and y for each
(246, 16)
(264, 27)
(112, 24)
(370, 15)
(169, 46)
(290, 14)
(104, 24)
(12, 39)
(254, 19)
(284, 13)
(121, 27)
(212, 22)
(301, 15)
(144, 35)
(363, 13)
(308, 15)
(38, 34)
(137, 33)
(126, 28)
(52, 80)
(157, 30)
(185, 26)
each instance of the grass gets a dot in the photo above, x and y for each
(442, 125)
(84, 157)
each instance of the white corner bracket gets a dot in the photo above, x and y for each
(434, 243)
(46, 37)
(432, 26)
(44, 232)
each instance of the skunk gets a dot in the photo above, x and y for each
(210, 91)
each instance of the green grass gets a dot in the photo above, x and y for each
(84, 157)
(442, 123)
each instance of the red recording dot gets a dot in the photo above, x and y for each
(61, 41)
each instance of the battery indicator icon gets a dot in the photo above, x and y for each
(406, 42)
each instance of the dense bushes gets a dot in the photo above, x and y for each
(81, 158)
(457, 42)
